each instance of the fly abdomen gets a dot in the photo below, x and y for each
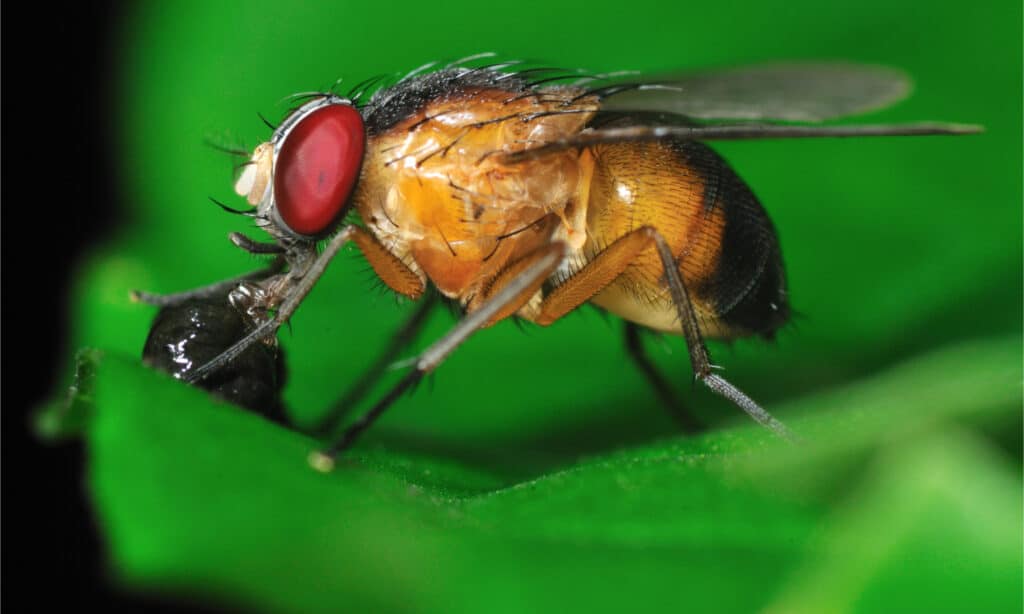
(747, 285)
(725, 245)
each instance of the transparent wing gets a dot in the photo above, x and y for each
(734, 132)
(805, 92)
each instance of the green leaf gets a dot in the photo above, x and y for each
(69, 415)
(933, 527)
(203, 496)
(537, 471)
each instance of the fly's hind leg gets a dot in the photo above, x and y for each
(699, 356)
(661, 386)
(612, 262)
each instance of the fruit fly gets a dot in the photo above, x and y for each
(530, 192)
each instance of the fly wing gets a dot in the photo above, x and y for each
(806, 92)
(733, 132)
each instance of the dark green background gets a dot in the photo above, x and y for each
(904, 262)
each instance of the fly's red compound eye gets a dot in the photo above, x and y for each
(317, 167)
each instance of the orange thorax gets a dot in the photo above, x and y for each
(435, 191)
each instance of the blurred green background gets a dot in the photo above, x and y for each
(537, 470)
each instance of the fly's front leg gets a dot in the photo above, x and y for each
(253, 301)
(208, 291)
(221, 287)
(510, 291)
(284, 296)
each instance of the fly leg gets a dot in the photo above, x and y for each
(211, 290)
(612, 262)
(699, 357)
(399, 341)
(635, 348)
(252, 246)
(284, 293)
(221, 287)
(287, 292)
(511, 290)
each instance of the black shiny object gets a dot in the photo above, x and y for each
(188, 335)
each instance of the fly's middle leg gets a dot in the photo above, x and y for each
(405, 335)
(506, 295)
